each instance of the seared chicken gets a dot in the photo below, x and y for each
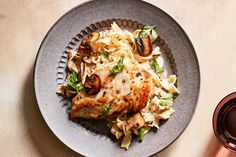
(127, 92)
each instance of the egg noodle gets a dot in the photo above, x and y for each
(121, 54)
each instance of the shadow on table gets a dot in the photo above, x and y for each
(214, 149)
(43, 138)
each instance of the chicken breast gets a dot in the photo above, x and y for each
(127, 92)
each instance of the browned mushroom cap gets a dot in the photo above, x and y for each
(92, 84)
(87, 48)
(144, 46)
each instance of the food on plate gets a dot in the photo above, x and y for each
(118, 76)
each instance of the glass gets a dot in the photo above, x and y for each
(224, 122)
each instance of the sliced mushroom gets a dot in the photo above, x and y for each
(73, 61)
(87, 48)
(76, 62)
(82, 69)
(94, 36)
(92, 84)
(87, 59)
(144, 46)
(86, 72)
(95, 60)
(65, 91)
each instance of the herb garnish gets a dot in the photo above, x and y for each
(118, 68)
(105, 54)
(106, 110)
(167, 100)
(74, 83)
(156, 67)
(149, 31)
(141, 134)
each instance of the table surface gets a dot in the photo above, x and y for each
(210, 25)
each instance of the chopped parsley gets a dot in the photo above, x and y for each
(106, 110)
(74, 82)
(141, 134)
(118, 68)
(168, 96)
(156, 67)
(167, 100)
(149, 31)
(105, 54)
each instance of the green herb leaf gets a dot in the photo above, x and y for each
(106, 110)
(149, 31)
(156, 67)
(118, 68)
(73, 82)
(141, 134)
(166, 103)
(168, 96)
(167, 100)
(105, 54)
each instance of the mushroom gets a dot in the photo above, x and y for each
(93, 36)
(87, 59)
(95, 60)
(86, 72)
(144, 46)
(88, 46)
(73, 61)
(92, 84)
(82, 68)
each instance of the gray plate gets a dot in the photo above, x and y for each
(67, 32)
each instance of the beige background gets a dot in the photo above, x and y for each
(210, 24)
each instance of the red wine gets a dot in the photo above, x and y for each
(224, 122)
(230, 122)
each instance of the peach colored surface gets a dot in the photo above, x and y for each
(210, 24)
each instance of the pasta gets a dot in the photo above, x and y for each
(118, 76)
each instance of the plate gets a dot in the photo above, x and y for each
(92, 139)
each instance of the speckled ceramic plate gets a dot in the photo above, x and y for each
(91, 138)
